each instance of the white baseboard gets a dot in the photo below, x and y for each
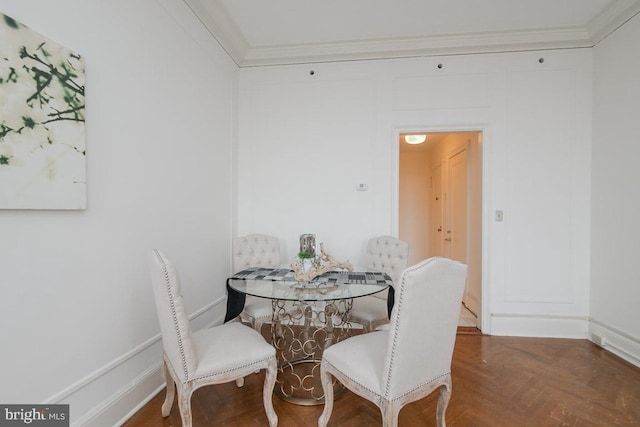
(616, 341)
(611, 339)
(136, 376)
(127, 401)
(547, 326)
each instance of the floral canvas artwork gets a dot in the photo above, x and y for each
(42, 132)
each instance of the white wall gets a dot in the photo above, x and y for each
(79, 321)
(615, 291)
(306, 140)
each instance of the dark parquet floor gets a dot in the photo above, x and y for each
(497, 381)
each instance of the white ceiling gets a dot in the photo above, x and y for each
(267, 32)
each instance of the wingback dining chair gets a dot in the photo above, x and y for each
(256, 250)
(210, 356)
(412, 358)
(388, 254)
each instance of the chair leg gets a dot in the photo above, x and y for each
(240, 382)
(327, 387)
(257, 324)
(329, 311)
(171, 390)
(184, 403)
(267, 393)
(366, 327)
(390, 412)
(443, 402)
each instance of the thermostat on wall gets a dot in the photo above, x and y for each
(361, 186)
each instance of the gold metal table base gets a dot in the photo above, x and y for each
(300, 332)
(307, 384)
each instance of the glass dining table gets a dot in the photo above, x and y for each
(307, 318)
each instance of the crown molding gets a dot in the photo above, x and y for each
(414, 47)
(221, 26)
(612, 18)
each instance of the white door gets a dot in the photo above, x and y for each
(455, 236)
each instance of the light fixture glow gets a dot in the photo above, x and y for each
(415, 139)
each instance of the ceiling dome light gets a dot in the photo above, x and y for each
(415, 139)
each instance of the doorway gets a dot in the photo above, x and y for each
(440, 205)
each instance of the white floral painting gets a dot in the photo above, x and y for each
(42, 132)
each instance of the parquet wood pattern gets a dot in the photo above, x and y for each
(497, 381)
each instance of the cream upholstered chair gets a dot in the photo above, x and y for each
(211, 356)
(388, 254)
(256, 250)
(413, 357)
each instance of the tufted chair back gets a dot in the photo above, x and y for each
(422, 330)
(388, 254)
(177, 341)
(256, 250)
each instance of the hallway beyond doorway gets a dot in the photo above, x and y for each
(440, 202)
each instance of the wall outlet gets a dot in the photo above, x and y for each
(598, 340)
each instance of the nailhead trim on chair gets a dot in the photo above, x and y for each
(351, 379)
(398, 302)
(396, 398)
(173, 314)
(237, 368)
(421, 385)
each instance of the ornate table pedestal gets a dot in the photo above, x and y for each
(300, 335)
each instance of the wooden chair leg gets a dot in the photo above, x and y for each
(443, 402)
(257, 324)
(366, 326)
(240, 382)
(327, 387)
(184, 403)
(390, 412)
(170, 392)
(267, 393)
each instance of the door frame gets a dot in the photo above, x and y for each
(483, 144)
